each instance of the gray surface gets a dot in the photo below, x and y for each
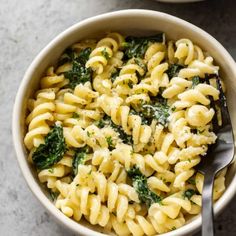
(26, 26)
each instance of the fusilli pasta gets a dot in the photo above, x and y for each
(117, 128)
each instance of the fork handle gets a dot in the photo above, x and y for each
(207, 206)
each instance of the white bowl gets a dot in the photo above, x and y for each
(129, 22)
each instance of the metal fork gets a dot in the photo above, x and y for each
(219, 155)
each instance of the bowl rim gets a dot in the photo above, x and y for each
(22, 160)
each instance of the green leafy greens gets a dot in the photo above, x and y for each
(191, 181)
(75, 115)
(115, 74)
(78, 73)
(52, 151)
(106, 121)
(159, 110)
(137, 46)
(110, 143)
(144, 120)
(189, 193)
(173, 70)
(140, 184)
(66, 57)
(80, 157)
(105, 54)
(140, 63)
(195, 81)
(53, 195)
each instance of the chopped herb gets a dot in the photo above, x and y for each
(110, 143)
(79, 158)
(105, 54)
(79, 73)
(137, 46)
(53, 195)
(173, 108)
(173, 228)
(52, 151)
(189, 193)
(173, 70)
(75, 115)
(140, 184)
(195, 81)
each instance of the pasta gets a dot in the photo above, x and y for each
(117, 128)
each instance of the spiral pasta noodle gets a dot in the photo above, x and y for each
(117, 128)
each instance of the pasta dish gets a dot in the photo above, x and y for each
(118, 126)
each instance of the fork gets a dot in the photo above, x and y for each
(219, 156)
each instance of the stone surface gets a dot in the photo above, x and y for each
(25, 28)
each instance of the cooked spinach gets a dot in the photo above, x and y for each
(161, 90)
(115, 74)
(53, 195)
(122, 135)
(189, 193)
(79, 73)
(75, 115)
(110, 143)
(140, 63)
(158, 110)
(101, 123)
(66, 57)
(191, 181)
(105, 54)
(106, 121)
(195, 81)
(144, 120)
(137, 46)
(79, 158)
(173, 70)
(52, 151)
(139, 182)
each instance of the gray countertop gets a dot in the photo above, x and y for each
(26, 26)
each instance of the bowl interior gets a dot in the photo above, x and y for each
(130, 22)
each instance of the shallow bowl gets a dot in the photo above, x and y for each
(131, 22)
